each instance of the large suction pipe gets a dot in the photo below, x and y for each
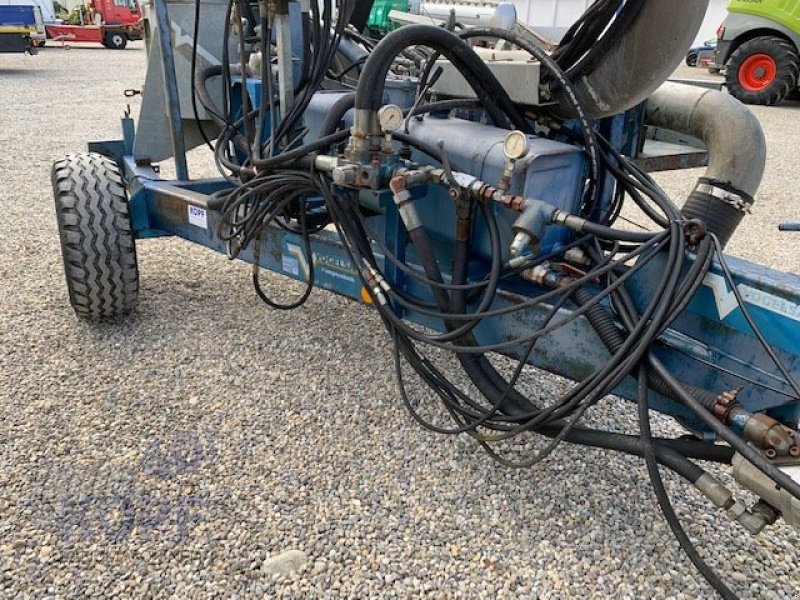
(737, 151)
(647, 54)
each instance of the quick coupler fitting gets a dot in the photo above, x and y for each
(529, 227)
(376, 284)
(404, 202)
(764, 432)
(754, 520)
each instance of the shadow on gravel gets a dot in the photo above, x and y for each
(13, 72)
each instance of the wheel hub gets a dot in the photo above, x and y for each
(757, 72)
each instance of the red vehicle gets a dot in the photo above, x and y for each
(108, 22)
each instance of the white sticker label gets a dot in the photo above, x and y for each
(291, 265)
(726, 300)
(198, 217)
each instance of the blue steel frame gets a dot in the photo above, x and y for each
(709, 345)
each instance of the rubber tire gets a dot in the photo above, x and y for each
(115, 41)
(691, 59)
(786, 78)
(97, 238)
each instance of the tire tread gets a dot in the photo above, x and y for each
(97, 238)
(786, 79)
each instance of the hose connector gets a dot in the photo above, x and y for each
(753, 520)
(751, 477)
(529, 228)
(365, 134)
(403, 200)
(773, 437)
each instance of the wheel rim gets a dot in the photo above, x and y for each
(117, 40)
(757, 72)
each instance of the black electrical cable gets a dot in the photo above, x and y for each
(748, 317)
(662, 496)
(704, 450)
(309, 282)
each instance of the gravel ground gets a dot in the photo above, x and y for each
(171, 454)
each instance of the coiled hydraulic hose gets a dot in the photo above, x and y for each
(336, 113)
(499, 106)
(603, 323)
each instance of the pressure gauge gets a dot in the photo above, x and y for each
(390, 117)
(516, 145)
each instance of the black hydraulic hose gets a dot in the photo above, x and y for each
(336, 113)
(424, 147)
(625, 359)
(302, 151)
(480, 371)
(749, 452)
(602, 321)
(670, 453)
(356, 245)
(201, 77)
(630, 444)
(494, 386)
(443, 106)
(456, 331)
(477, 366)
(193, 91)
(664, 455)
(369, 93)
(609, 233)
(623, 20)
(756, 458)
(651, 460)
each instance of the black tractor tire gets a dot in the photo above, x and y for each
(97, 238)
(785, 80)
(691, 59)
(115, 40)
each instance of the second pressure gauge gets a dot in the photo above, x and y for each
(390, 117)
(516, 145)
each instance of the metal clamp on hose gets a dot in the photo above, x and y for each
(736, 199)
(719, 205)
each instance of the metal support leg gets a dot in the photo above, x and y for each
(171, 88)
(283, 37)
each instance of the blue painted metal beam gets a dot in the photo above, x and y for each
(711, 333)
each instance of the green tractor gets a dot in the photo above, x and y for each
(759, 49)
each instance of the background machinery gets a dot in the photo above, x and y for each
(475, 189)
(759, 48)
(19, 25)
(112, 23)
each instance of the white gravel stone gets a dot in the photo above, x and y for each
(284, 563)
